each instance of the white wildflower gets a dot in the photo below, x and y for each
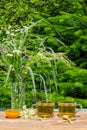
(29, 113)
(9, 27)
(32, 112)
(24, 107)
(40, 54)
(25, 117)
(17, 52)
(26, 111)
(12, 34)
(10, 55)
(21, 113)
(7, 32)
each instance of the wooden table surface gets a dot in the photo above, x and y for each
(53, 123)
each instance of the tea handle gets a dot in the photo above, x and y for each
(80, 107)
(34, 106)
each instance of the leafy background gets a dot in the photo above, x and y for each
(60, 25)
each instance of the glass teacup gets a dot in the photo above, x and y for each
(68, 109)
(45, 109)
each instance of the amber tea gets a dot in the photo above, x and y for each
(45, 109)
(68, 108)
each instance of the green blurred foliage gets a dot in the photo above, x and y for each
(73, 83)
(60, 25)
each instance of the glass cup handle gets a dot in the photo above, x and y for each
(34, 106)
(80, 107)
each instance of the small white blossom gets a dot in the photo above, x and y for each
(17, 52)
(24, 107)
(12, 34)
(32, 112)
(9, 27)
(21, 113)
(26, 111)
(40, 54)
(10, 55)
(7, 32)
(29, 113)
(25, 117)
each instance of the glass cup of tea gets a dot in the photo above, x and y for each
(68, 109)
(45, 109)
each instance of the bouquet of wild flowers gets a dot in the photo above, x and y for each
(29, 113)
(14, 56)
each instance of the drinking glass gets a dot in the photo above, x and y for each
(68, 108)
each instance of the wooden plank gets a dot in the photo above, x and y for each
(47, 123)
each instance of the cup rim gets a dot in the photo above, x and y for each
(44, 101)
(67, 102)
